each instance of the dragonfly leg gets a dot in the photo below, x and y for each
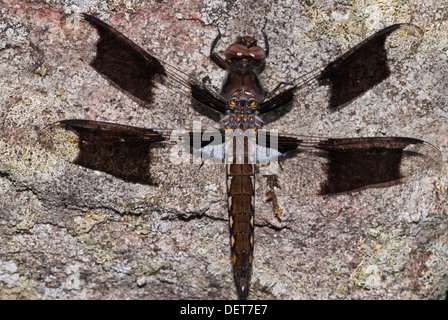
(272, 183)
(214, 56)
(265, 37)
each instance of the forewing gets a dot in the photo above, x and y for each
(357, 70)
(126, 64)
(369, 63)
(113, 55)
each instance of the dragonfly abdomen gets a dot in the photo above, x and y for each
(241, 200)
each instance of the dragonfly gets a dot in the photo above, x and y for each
(343, 165)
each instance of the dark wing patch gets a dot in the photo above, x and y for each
(119, 150)
(365, 65)
(278, 100)
(360, 163)
(208, 98)
(355, 164)
(285, 143)
(113, 55)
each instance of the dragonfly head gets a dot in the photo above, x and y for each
(245, 48)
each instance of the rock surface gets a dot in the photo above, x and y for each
(67, 232)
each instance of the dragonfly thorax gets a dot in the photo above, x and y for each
(242, 114)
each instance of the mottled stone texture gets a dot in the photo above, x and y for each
(68, 232)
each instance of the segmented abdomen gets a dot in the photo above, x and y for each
(241, 204)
